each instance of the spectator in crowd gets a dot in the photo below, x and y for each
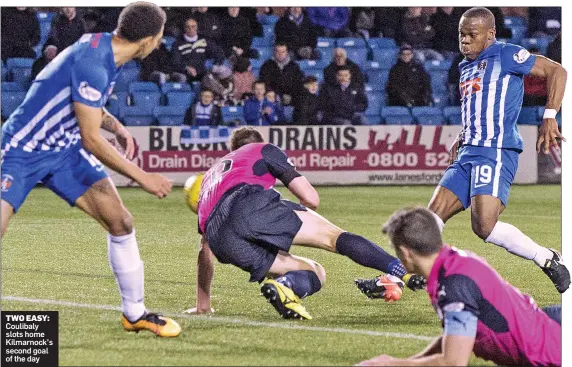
(535, 90)
(387, 21)
(158, 68)
(408, 84)
(48, 55)
(344, 103)
(339, 59)
(251, 13)
(243, 77)
(330, 22)
(272, 108)
(446, 25)
(237, 35)
(362, 22)
(282, 74)
(554, 51)
(104, 18)
(176, 19)
(307, 110)
(190, 52)
(219, 81)
(205, 112)
(298, 33)
(210, 25)
(257, 110)
(544, 21)
(416, 31)
(20, 32)
(67, 27)
(453, 81)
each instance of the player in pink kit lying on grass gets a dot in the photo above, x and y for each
(480, 311)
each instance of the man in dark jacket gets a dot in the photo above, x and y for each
(446, 26)
(282, 75)
(20, 32)
(48, 55)
(190, 51)
(344, 103)
(340, 58)
(67, 27)
(210, 25)
(236, 35)
(298, 33)
(307, 111)
(408, 84)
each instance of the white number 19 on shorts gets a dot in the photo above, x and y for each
(483, 175)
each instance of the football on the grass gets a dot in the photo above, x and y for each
(192, 190)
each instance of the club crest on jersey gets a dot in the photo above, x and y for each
(6, 182)
(89, 93)
(521, 56)
(482, 65)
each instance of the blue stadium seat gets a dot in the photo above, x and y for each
(326, 42)
(143, 87)
(439, 81)
(265, 53)
(175, 87)
(256, 72)
(269, 19)
(374, 65)
(181, 99)
(232, 113)
(312, 64)
(518, 33)
(511, 21)
(528, 116)
(453, 115)
(444, 65)
(385, 42)
(378, 77)
(261, 42)
(386, 56)
(540, 43)
(373, 87)
(168, 42)
(137, 115)
(374, 104)
(428, 115)
(125, 78)
(11, 101)
(169, 115)
(395, 115)
(116, 101)
(12, 87)
(289, 114)
(440, 100)
(325, 53)
(4, 71)
(268, 30)
(350, 42)
(19, 62)
(357, 55)
(256, 63)
(20, 70)
(145, 93)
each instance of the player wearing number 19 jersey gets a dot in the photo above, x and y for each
(491, 87)
(245, 222)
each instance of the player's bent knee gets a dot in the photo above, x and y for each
(121, 224)
(481, 228)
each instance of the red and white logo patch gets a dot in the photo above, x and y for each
(6, 182)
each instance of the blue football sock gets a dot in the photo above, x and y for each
(367, 253)
(302, 282)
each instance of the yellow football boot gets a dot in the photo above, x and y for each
(159, 325)
(284, 300)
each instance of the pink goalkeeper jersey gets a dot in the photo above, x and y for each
(511, 328)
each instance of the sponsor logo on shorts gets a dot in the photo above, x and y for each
(6, 182)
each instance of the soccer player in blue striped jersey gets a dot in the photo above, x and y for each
(485, 155)
(54, 137)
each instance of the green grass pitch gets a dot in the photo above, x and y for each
(54, 253)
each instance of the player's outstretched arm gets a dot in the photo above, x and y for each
(555, 76)
(456, 351)
(305, 192)
(205, 271)
(111, 124)
(89, 121)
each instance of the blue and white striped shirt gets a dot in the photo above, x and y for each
(491, 89)
(85, 72)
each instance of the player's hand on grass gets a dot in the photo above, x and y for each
(125, 139)
(548, 135)
(199, 311)
(156, 184)
(382, 360)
